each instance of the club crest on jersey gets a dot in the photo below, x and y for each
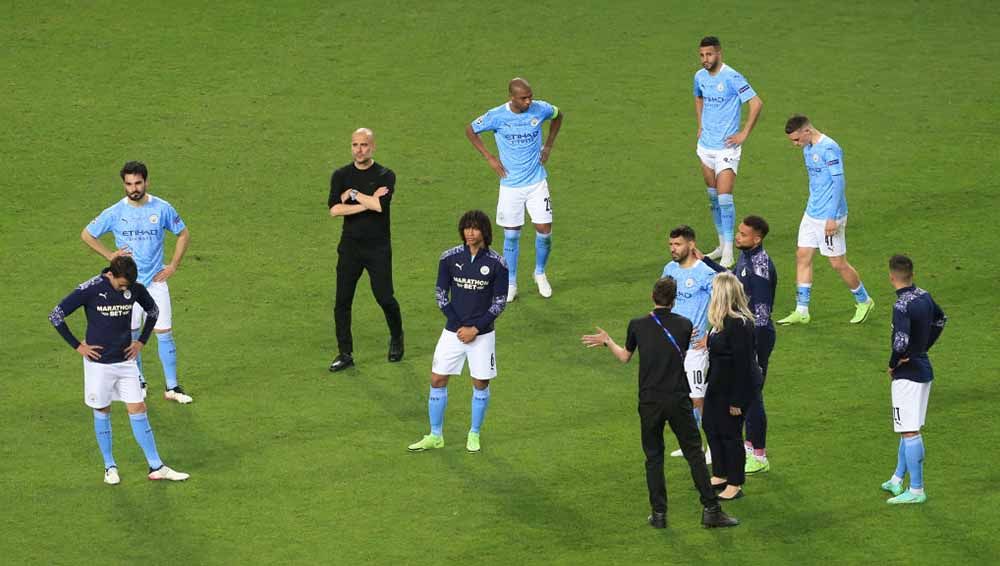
(127, 294)
(534, 122)
(744, 273)
(480, 120)
(689, 282)
(720, 87)
(815, 158)
(485, 270)
(154, 218)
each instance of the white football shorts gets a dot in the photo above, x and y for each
(909, 404)
(513, 201)
(450, 355)
(104, 383)
(719, 160)
(696, 368)
(812, 234)
(161, 295)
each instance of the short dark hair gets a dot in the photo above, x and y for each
(710, 41)
(757, 224)
(665, 291)
(476, 219)
(902, 266)
(124, 266)
(795, 123)
(134, 168)
(683, 231)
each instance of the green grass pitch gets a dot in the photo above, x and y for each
(242, 109)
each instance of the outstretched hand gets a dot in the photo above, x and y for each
(594, 340)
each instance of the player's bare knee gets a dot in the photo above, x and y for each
(543, 228)
(698, 402)
(136, 408)
(480, 384)
(105, 410)
(438, 380)
(910, 434)
(162, 330)
(839, 263)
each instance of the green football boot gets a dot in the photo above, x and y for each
(755, 465)
(894, 488)
(472, 444)
(862, 311)
(907, 497)
(795, 318)
(428, 442)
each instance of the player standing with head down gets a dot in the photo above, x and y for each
(719, 95)
(917, 323)
(140, 222)
(824, 222)
(110, 371)
(471, 292)
(517, 129)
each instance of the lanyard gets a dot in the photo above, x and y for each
(667, 332)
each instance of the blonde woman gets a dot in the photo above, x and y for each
(733, 382)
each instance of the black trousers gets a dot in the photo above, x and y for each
(756, 418)
(725, 439)
(352, 258)
(675, 411)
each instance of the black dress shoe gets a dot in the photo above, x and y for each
(341, 362)
(713, 517)
(396, 349)
(657, 520)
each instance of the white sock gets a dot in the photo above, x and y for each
(801, 309)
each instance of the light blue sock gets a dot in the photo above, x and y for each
(480, 402)
(543, 245)
(102, 428)
(900, 460)
(511, 249)
(727, 210)
(436, 403)
(168, 357)
(915, 460)
(138, 359)
(713, 205)
(860, 294)
(803, 292)
(144, 436)
(697, 417)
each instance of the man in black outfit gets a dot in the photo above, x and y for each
(361, 192)
(664, 397)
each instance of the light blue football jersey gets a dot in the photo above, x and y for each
(694, 289)
(141, 229)
(827, 194)
(519, 140)
(723, 96)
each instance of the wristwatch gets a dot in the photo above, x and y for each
(354, 194)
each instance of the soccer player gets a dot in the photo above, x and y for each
(917, 322)
(471, 292)
(110, 371)
(824, 222)
(756, 272)
(361, 192)
(694, 289)
(719, 95)
(662, 337)
(139, 223)
(517, 129)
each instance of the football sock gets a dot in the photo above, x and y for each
(168, 357)
(697, 417)
(543, 245)
(713, 204)
(803, 292)
(436, 403)
(760, 453)
(727, 210)
(511, 249)
(897, 476)
(860, 295)
(144, 436)
(138, 359)
(102, 428)
(915, 461)
(480, 402)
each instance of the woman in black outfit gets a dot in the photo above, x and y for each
(733, 381)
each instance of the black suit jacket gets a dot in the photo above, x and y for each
(733, 373)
